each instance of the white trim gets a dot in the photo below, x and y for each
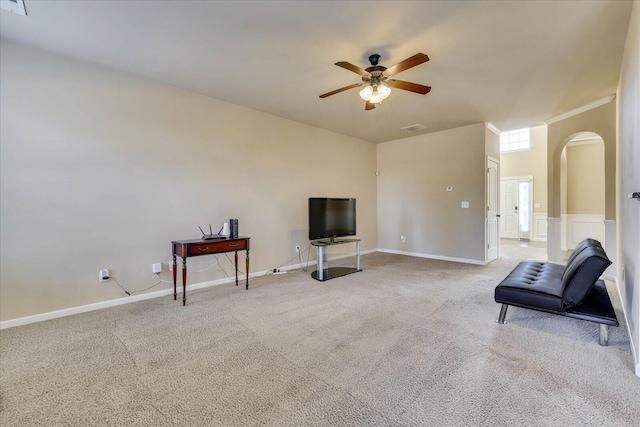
(110, 303)
(629, 334)
(515, 150)
(14, 6)
(493, 129)
(520, 178)
(553, 239)
(438, 257)
(610, 247)
(497, 212)
(582, 109)
(590, 225)
(563, 233)
(584, 141)
(20, 321)
(539, 227)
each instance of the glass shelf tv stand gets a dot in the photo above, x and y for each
(324, 272)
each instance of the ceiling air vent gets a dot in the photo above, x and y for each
(14, 6)
(414, 128)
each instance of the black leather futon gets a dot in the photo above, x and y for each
(572, 291)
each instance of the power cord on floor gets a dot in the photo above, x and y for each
(139, 290)
(303, 267)
(299, 256)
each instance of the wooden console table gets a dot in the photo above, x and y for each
(197, 247)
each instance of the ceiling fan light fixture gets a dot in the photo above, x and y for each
(366, 92)
(376, 79)
(384, 91)
(375, 97)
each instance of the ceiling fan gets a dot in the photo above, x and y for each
(377, 82)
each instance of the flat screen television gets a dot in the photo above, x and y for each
(331, 217)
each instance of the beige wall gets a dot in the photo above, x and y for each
(531, 162)
(600, 120)
(585, 179)
(412, 196)
(103, 170)
(628, 213)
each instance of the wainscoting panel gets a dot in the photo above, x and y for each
(539, 227)
(581, 226)
(610, 247)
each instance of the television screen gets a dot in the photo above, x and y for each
(331, 217)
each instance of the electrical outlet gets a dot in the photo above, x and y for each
(297, 249)
(156, 267)
(103, 275)
(170, 266)
(403, 239)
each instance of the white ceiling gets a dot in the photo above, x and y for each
(512, 63)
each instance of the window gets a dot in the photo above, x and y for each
(515, 140)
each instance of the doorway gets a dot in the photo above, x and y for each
(493, 236)
(582, 190)
(516, 220)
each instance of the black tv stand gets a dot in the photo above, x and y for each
(324, 272)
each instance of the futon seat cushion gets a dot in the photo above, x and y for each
(534, 285)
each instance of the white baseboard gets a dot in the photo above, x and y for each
(157, 294)
(106, 304)
(438, 257)
(629, 334)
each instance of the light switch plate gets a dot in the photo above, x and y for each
(449, 187)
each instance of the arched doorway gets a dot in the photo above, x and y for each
(582, 190)
(601, 120)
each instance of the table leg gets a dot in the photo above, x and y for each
(247, 270)
(184, 281)
(236, 259)
(175, 294)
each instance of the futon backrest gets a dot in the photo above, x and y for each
(582, 271)
(580, 246)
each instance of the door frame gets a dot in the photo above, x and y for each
(496, 217)
(523, 178)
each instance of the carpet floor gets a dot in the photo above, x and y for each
(405, 342)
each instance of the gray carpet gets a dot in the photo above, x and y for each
(406, 342)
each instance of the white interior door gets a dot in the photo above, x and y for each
(509, 208)
(492, 210)
(525, 221)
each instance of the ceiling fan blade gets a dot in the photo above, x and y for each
(355, 69)
(369, 105)
(342, 89)
(416, 59)
(412, 87)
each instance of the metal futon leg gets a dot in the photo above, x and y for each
(503, 313)
(604, 335)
